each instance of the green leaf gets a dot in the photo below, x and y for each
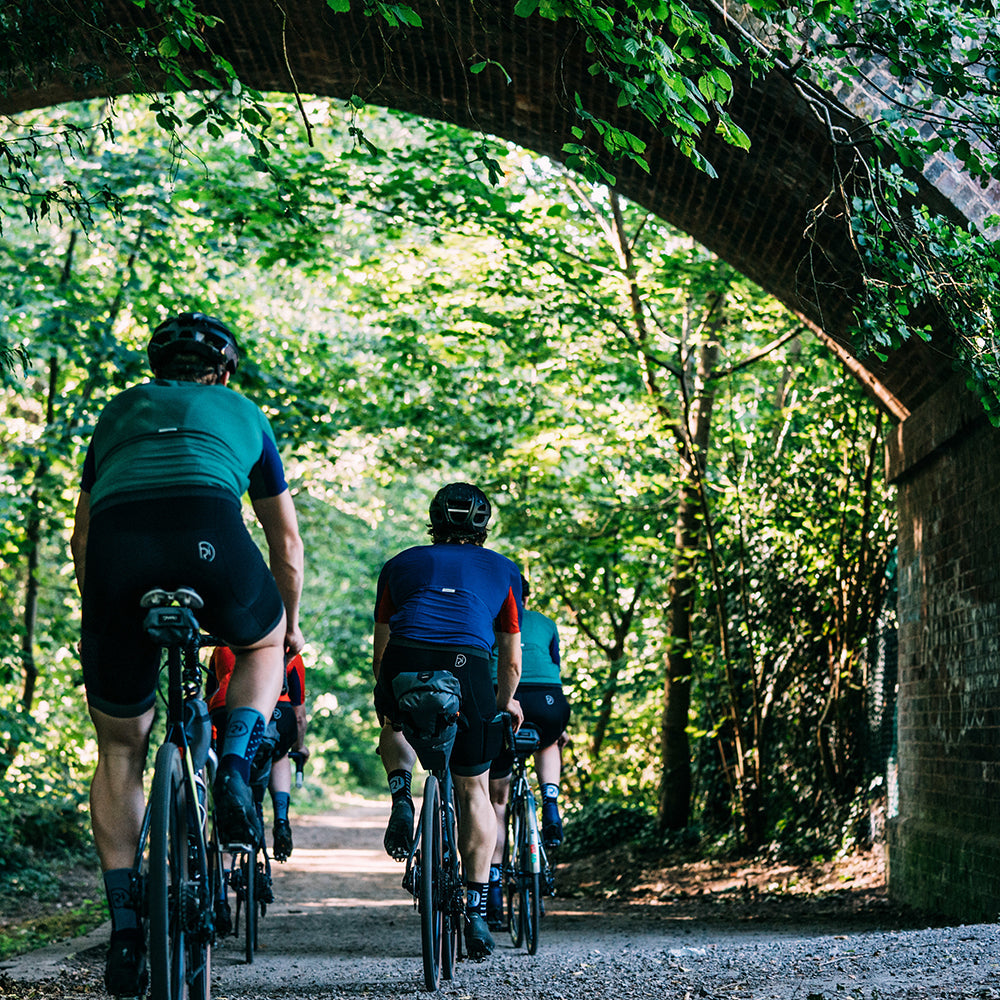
(168, 47)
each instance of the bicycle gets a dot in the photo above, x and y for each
(433, 872)
(178, 862)
(526, 867)
(249, 877)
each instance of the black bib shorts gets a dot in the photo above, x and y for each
(471, 754)
(195, 541)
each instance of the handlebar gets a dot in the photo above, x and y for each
(524, 742)
(299, 759)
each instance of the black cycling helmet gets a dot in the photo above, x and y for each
(460, 509)
(193, 333)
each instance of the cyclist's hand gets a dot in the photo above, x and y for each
(563, 740)
(516, 713)
(294, 641)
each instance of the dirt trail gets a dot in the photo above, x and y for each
(342, 927)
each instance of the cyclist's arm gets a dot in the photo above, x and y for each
(379, 641)
(508, 675)
(78, 540)
(300, 739)
(286, 555)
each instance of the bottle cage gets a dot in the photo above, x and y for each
(429, 703)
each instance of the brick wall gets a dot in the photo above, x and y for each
(945, 839)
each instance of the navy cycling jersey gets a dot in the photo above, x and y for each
(165, 438)
(450, 595)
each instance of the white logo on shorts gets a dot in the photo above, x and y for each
(206, 551)
(549, 700)
(460, 660)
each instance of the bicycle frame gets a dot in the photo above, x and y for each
(177, 867)
(433, 877)
(526, 865)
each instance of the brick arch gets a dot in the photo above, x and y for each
(941, 454)
(753, 216)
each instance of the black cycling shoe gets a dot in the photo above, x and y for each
(125, 971)
(398, 840)
(282, 840)
(552, 830)
(494, 906)
(478, 940)
(236, 812)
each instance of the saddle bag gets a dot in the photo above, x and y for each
(429, 702)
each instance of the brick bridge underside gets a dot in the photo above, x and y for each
(941, 453)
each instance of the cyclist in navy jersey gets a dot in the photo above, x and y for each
(160, 506)
(438, 607)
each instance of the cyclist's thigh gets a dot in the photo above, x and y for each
(288, 729)
(119, 660)
(471, 756)
(242, 602)
(546, 708)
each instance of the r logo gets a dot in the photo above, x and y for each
(460, 660)
(206, 551)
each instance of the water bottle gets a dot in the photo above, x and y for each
(198, 729)
(202, 792)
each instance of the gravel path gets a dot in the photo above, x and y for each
(342, 927)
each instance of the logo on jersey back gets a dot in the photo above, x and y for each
(206, 551)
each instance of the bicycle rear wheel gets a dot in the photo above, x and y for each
(431, 867)
(513, 874)
(248, 871)
(452, 903)
(178, 941)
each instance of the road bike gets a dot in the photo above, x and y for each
(433, 872)
(526, 868)
(249, 876)
(178, 862)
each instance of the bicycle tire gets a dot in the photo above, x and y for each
(530, 915)
(515, 908)
(179, 960)
(431, 867)
(452, 915)
(530, 877)
(248, 867)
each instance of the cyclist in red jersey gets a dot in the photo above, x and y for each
(289, 719)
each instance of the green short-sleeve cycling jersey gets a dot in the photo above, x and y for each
(539, 650)
(168, 438)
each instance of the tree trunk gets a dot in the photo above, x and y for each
(675, 751)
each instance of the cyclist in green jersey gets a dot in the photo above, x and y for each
(160, 506)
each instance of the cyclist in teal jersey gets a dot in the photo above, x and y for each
(544, 704)
(160, 506)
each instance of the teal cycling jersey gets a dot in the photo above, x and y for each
(539, 650)
(168, 438)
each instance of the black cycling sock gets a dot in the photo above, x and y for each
(118, 886)
(399, 784)
(280, 802)
(475, 898)
(496, 874)
(550, 791)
